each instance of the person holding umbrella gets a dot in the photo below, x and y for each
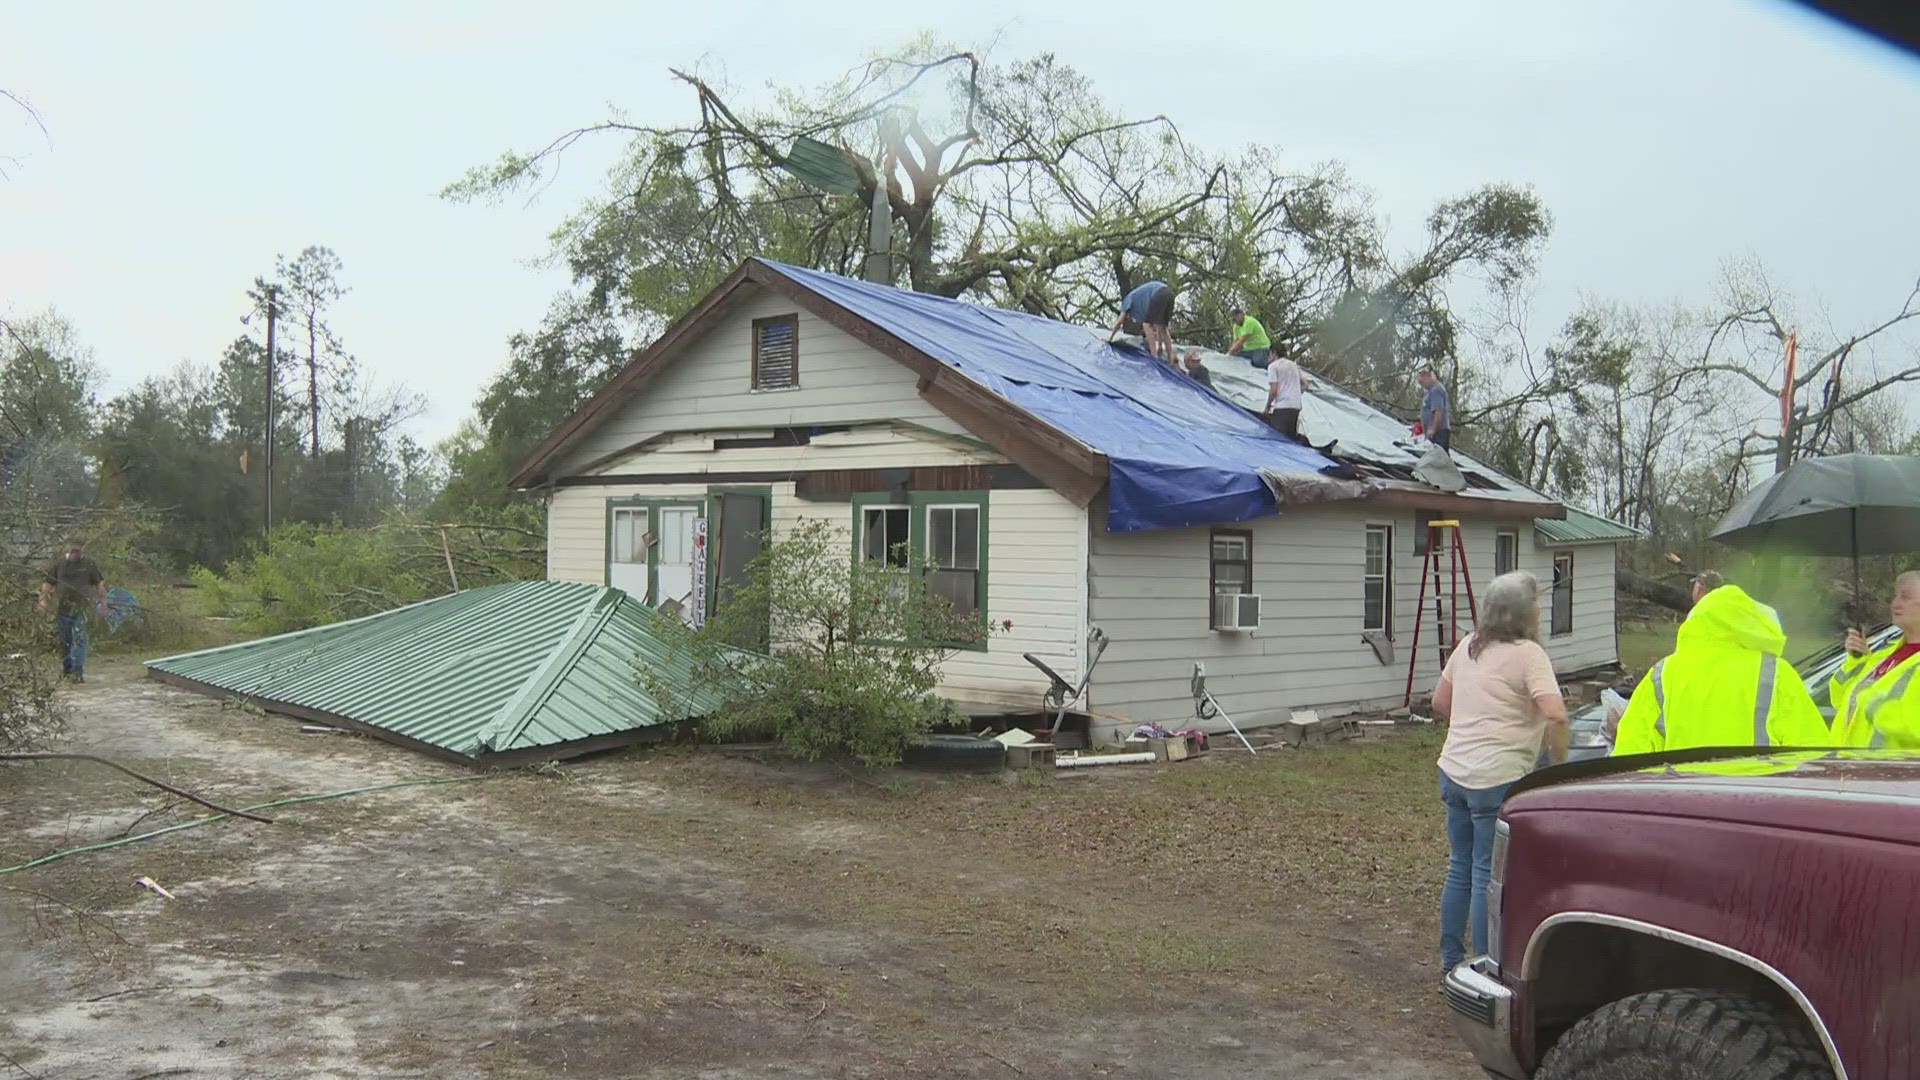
(1875, 703)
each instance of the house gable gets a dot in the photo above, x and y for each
(709, 386)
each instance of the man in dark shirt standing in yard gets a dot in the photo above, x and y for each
(73, 585)
(1436, 412)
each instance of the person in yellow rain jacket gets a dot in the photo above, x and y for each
(1724, 684)
(1875, 702)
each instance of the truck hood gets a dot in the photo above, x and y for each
(1873, 794)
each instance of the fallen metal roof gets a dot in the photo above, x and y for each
(1580, 527)
(532, 670)
(1349, 429)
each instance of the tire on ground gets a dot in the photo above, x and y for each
(954, 753)
(1687, 1035)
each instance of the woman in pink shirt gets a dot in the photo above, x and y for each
(1499, 697)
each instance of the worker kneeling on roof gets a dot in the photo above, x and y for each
(1724, 684)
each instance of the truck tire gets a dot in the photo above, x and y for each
(954, 753)
(1686, 1035)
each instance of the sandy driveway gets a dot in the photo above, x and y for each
(673, 914)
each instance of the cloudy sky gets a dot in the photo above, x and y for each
(188, 143)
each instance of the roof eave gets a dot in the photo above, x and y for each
(1469, 506)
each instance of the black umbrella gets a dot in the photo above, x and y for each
(1848, 505)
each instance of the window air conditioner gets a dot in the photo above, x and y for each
(1240, 612)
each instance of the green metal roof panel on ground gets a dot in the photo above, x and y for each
(528, 670)
(1580, 527)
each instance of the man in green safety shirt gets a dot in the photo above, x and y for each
(1249, 338)
(1724, 684)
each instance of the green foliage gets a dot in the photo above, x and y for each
(856, 651)
(319, 573)
(30, 713)
(549, 374)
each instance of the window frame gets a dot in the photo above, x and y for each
(1506, 534)
(1553, 596)
(923, 555)
(1386, 578)
(753, 380)
(920, 505)
(864, 503)
(1213, 571)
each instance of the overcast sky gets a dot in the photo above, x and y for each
(191, 142)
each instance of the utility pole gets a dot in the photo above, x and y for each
(879, 263)
(266, 520)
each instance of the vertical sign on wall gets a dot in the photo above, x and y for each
(697, 614)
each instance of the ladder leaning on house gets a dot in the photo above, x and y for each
(1446, 626)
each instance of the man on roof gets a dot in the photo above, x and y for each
(1286, 393)
(1436, 411)
(1249, 337)
(1150, 305)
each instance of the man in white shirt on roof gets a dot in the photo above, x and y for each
(1286, 392)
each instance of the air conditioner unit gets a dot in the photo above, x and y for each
(1237, 611)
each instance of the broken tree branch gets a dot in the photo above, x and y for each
(162, 785)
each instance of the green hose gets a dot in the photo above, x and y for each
(196, 822)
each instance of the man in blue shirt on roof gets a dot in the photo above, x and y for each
(1150, 305)
(1436, 412)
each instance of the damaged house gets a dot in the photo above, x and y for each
(1055, 482)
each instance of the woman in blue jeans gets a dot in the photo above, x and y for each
(1499, 697)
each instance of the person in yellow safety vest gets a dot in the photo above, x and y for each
(1875, 702)
(1724, 684)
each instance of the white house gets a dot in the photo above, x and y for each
(1056, 482)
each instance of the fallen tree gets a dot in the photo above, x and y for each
(1655, 591)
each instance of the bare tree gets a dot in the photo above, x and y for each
(1013, 184)
(311, 283)
(1837, 376)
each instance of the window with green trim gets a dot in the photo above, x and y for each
(941, 534)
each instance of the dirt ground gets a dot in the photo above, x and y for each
(683, 913)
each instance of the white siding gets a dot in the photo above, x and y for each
(1036, 554)
(1593, 642)
(1148, 592)
(875, 446)
(709, 385)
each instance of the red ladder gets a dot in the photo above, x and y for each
(1446, 625)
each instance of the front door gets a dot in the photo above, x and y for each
(673, 560)
(740, 534)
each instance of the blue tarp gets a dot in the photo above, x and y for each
(1179, 453)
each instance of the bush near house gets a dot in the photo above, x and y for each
(827, 655)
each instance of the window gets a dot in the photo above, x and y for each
(1562, 593)
(776, 353)
(942, 534)
(953, 557)
(1229, 570)
(883, 534)
(1506, 552)
(1377, 581)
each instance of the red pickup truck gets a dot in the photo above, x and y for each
(1703, 915)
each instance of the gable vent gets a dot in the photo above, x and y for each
(776, 353)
